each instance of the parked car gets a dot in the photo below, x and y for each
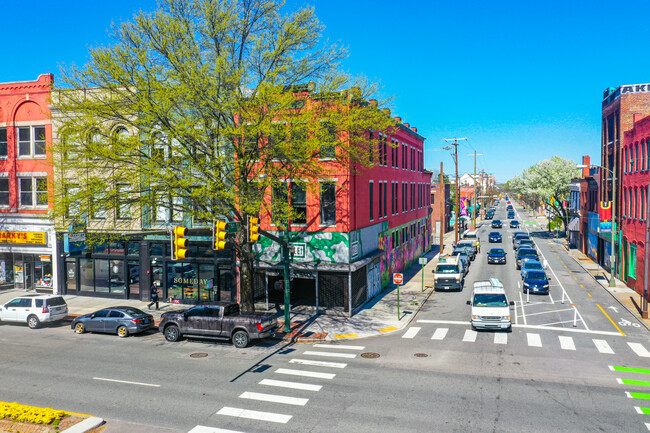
(471, 254)
(496, 255)
(523, 253)
(123, 321)
(531, 265)
(448, 274)
(514, 224)
(34, 309)
(495, 237)
(536, 281)
(518, 235)
(525, 242)
(464, 258)
(468, 243)
(496, 224)
(222, 320)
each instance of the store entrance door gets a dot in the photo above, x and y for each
(29, 275)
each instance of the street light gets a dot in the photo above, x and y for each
(612, 256)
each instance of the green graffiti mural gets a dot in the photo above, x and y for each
(329, 247)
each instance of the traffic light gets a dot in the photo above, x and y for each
(180, 243)
(253, 228)
(220, 235)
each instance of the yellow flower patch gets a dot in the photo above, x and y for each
(23, 413)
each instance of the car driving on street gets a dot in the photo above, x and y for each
(514, 224)
(536, 282)
(496, 255)
(495, 237)
(496, 224)
(531, 265)
(523, 253)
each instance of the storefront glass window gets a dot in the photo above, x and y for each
(134, 279)
(102, 276)
(134, 249)
(182, 282)
(226, 285)
(157, 250)
(6, 270)
(206, 283)
(86, 275)
(117, 276)
(71, 277)
(116, 248)
(43, 271)
(101, 248)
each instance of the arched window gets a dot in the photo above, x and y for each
(643, 156)
(625, 203)
(625, 161)
(636, 156)
(647, 152)
(636, 203)
(643, 204)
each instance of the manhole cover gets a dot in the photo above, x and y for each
(370, 355)
(420, 355)
(198, 355)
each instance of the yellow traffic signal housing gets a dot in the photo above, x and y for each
(253, 228)
(180, 243)
(220, 235)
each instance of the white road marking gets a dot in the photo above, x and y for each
(638, 410)
(627, 393)
(523, 313)
(549, 312)
(252, 414)
(619, 381)
(412, 332)
(336, 346)
(550, 297)
(332, 354)
(315, 374)
(579, 331)
(611, 367)
(440, 334)
(534, 340)
(648, 425)
(470, 336)
(204, 429)
(275, 398)
(126, 381)
(318, 363)
(292, 385)
(444, 322)
(603, 347)
(500, 338)
(566, 343)
(639, 349)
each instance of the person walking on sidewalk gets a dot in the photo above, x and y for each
(478, 245)
(154, 295)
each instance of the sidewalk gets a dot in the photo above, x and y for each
(627, 297)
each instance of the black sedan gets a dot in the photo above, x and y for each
(496, 255)
(514, 224)
(495, 237)
(496, 224)
(122, 321)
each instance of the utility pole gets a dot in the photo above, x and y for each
(475, 201)
(455, 156)
(443, 205)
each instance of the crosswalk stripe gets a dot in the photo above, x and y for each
(337, 346)
(412, 332)
(315, 374)
(634, 382)
(470, 336)
(332, 354)
(500, 338)
(292, 385)
(205, 429)
(566, 343)
(440, 333)
(318, 363)
(252, 414)
(639, 349)
(603, 347)
(275, 398)
(534, 340)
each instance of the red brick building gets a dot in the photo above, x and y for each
(635, 180)
(440, 208)
(28, 256)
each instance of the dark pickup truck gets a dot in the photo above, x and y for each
(221, 320)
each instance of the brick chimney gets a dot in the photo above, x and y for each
(586, 160)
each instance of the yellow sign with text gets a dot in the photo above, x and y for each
(29, 238)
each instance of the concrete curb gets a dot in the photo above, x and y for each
(85, 425)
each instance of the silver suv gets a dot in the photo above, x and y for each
(34, 309)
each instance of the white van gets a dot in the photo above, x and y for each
(449, 274)
(490, 306)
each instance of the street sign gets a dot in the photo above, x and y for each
(423, 260)
(398, 278)
(232, 227)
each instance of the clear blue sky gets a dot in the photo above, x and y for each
(522, 80)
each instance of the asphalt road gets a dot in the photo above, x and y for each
(435, 375)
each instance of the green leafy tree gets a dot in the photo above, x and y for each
(200, 109)
(547, 183)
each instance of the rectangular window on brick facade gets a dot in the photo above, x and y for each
(4, 192)
(385, 150)
(385, 196)
(33, 191)
(328, 203)
(380, 148)
(381, 200)
(3, 142)
(299, 203)
(392, 198)
(396, 197)
(404, 156)
(31, 141)
(371, 150)
(371, 200)
(404, 197)
(631, 269)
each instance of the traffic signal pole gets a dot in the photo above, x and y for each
(285, 258)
